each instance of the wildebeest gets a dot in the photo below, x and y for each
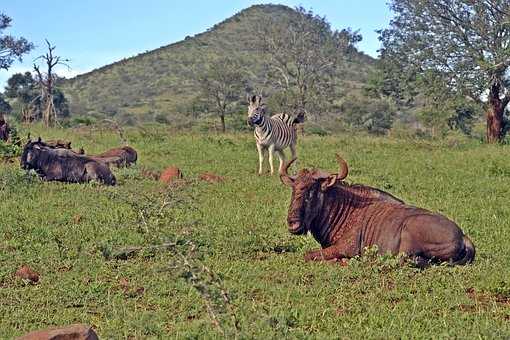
(4, 129)
(63, 165)
(345, 219)
(58, 144)
(120, 157)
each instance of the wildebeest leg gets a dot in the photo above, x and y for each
(336, 251)
(322, 254)
(281, 157)
(260, 149)
(344, 248)
(271, 151)
(90, 173)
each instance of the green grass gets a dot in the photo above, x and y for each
(231, 238)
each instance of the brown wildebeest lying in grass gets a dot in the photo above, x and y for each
(120, 157)
(63, 165)
(58, 144)
(345, 219)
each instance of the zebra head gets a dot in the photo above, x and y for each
(256, 110)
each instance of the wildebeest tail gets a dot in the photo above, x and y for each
(468, 252)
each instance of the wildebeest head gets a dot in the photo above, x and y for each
(308, 188)
(31, 153)
(256, 110)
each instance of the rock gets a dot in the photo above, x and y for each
(72, 332)
(211, 178)
(27, 274)
(170, 175)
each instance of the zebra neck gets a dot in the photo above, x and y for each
(262, 126)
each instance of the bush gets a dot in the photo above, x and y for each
(373, 115)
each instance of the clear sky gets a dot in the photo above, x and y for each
(93, 33)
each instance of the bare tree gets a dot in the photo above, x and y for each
(46, 81)
(221, 84)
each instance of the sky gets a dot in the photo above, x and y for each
(94, 33)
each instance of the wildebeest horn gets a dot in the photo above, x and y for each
(284, 175)
(343, 171)
(332, 179)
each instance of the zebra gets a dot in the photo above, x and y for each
(272, 133)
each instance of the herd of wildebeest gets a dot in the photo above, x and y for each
(344, 218)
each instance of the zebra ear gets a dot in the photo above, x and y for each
(259, 99)
(253, 99)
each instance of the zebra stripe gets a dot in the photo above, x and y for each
(286, 118)
(277, 130)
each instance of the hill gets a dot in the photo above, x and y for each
(162, 83)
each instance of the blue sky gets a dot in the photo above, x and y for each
(93, 33)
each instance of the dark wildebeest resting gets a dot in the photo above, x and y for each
(345, 219)
(64, 165)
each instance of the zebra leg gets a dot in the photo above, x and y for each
(271, 151)
(293, 150)
(281, 156)
(261, 157)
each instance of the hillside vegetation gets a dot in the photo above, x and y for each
(231, 238)
(162, 84)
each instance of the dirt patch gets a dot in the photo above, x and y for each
(27, 274)
(211, 178)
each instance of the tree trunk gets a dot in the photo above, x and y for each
(223, 129)
(494, 115)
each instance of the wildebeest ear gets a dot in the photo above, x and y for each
(328, 182)
(39, 139)
(68, 145)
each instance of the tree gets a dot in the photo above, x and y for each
(46, 81)
(303, 54)
(21, 88)
(25, 93)
(221, 83)
(4, 105)
(464, 43)
(11, 48)
(371, 114)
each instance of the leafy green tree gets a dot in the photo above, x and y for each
(303, 55)
(462, 42)
(371, 114)
(4, 105)
(11, 48)
(221, 83)
(22, 89)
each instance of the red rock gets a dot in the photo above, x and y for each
(211, 178)
(27, 274)
(170, 175)
(72, 332)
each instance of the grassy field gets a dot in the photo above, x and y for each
(231, 269)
